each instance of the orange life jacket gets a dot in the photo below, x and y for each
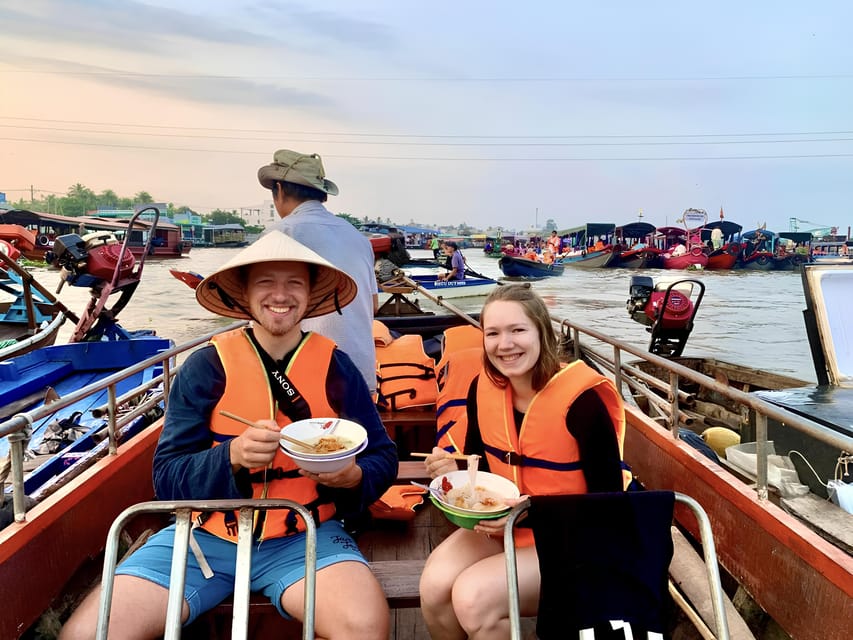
(461, 361)
(248, 394)
(405, 374)
(542, 457)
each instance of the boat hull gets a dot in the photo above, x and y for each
(694, 259)
(801, 580)
(513, 267)
(449, 288)
(591, 259)
(38, 557)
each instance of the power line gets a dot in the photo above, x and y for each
(449, 79)
(446, 158)
(439, 144)
(446, 136)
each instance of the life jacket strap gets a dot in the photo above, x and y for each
(515, 459)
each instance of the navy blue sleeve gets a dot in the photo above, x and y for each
(347, 391)
(185, 465)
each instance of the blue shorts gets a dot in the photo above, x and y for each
(277, 564)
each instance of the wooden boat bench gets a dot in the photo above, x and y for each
(398, 577)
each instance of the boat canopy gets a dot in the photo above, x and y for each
(751, 235)
(635, 230)
(726, 226)
(590, 229)
(802, 237)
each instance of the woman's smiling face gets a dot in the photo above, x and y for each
(510, 338)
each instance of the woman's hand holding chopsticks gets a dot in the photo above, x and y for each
(439, 462)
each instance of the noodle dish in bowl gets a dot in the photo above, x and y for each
(334, 437)
(453, 493)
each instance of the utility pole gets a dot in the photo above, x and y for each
(32, 197)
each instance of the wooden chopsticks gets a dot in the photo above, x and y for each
(455, 456)
(233, 416)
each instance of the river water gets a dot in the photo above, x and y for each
(748, 317)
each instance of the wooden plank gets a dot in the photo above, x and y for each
(826, 518)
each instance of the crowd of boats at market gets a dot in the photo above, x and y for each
(716, 245)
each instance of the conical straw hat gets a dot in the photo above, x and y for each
(224, 291)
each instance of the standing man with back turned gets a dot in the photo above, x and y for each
(299, 189)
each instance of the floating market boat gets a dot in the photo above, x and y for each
(775, 556)
(30, 316)
(518, 267)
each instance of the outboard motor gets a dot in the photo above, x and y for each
(640, 293)
(90, 260)
(667, 310)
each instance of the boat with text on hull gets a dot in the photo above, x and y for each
(469, 287)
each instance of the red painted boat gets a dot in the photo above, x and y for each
(19, 237)
(725, 257)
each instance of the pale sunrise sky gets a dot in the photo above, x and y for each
(489, 113)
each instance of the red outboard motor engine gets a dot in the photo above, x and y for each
(667, 310)
(88, 261)
(10, 251)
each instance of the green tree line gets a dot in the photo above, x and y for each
(79, 200)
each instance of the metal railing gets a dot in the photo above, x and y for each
(18, 426)
(183, 511)
(671, 406)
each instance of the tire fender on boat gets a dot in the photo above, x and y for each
(43, 240)
(696, 251)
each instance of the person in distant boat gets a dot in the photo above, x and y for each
(716, 238)
(273, 374)
(299, 188)
(456, 269)
(435, 246)
(559, 428)
(678, 250)
(598, 246)
(554, 243)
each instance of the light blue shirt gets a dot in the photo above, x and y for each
(349, 250)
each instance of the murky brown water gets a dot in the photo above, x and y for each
(749, 317)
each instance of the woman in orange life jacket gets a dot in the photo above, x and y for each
(550, 428)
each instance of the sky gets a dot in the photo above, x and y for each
(491, 113)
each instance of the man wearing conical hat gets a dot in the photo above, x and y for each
(270, 373)
(299, 188)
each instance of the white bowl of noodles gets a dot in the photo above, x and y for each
(329, 464)
(453, 492)
(335, 437)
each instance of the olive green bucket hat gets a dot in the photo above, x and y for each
(224, 292)
(299, 168)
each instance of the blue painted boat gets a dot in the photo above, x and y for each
(516, 267)
(470, 286)
(59, 440)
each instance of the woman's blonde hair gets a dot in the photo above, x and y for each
(535, 309)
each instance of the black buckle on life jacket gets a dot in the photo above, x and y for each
(513, 458)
